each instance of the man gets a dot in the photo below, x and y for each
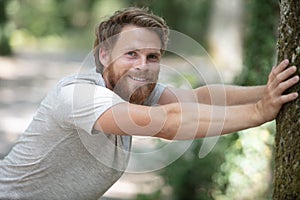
(79, 141)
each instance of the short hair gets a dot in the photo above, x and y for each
(140, 17)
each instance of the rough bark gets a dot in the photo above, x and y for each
(287, 140)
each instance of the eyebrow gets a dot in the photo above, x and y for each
(156, 51)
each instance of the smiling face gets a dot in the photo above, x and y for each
(131, 68)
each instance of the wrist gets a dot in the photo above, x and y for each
(257, 115)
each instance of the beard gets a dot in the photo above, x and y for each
(133, 93)
(142, 93)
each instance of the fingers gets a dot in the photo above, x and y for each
(289, 97)
(284, 78)
(287, 84)
(281, 66)
(280, 77)
(286, 73)
(276, 70)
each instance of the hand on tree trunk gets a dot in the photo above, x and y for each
(280, 79)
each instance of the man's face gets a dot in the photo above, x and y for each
(134, 63)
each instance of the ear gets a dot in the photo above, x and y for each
(104, 57)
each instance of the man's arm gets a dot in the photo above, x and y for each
(217, 94)
(229, 94)
(214, 95)
(193, 120)
(177, 121)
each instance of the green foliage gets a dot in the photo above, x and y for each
(47, 17)
(156, 195)
(5, 48)
(36, 19)
(194, 15)
(55, 24)
(259, 56)
(3, 17)
(247, 166)
(260, 41)
(190, 176)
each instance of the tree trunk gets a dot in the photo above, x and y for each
(287, 141)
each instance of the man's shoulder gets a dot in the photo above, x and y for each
(83, 77)
(66, 87)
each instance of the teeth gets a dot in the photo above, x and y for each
(138, 79)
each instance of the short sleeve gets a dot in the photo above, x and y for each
(80, 105)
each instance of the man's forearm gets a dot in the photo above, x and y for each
(237, 95)
(229, 94)
(191, 120)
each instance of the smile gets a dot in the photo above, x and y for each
(138, 79)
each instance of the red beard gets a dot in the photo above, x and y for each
(137, 96)
(141, 94)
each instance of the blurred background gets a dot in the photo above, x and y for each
(41, 41)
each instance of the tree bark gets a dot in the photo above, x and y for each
(287, 140)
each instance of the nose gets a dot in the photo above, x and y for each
(141, 63)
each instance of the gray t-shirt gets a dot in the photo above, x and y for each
(60, 156)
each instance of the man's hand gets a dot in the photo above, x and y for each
(280, 79)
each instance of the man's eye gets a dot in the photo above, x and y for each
(153, 58)
(131, 53)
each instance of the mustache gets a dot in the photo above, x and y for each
(147, 75)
